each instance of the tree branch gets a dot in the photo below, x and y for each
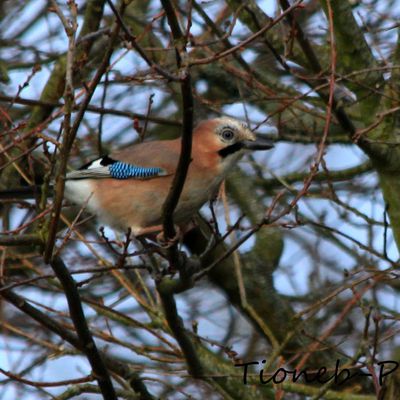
(136, 46)
(91, 108)
(176, 325)
(119, 368)
(87, 344)
(187, 104)
(68, 141)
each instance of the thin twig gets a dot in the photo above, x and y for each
(250, 39)
(136, 46)
(92, 108)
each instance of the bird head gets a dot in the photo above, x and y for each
(229, 139)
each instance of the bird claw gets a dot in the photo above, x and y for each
(167, 243)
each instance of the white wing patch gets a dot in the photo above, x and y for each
(91, 172)
(96, 164)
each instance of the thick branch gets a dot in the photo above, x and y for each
(87, 343)
(315, 66)
(331, 176)
(176, 325)
(355, 54)
(20, 240)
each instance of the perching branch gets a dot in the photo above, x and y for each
(187, 105)
(170, 309)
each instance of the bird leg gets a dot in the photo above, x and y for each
(156, 233)
(166, 243)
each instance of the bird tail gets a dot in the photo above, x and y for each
(26, 192)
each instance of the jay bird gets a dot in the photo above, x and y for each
(127, 188)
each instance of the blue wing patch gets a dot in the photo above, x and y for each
(120, 170)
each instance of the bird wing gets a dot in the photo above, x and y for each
(141, 161)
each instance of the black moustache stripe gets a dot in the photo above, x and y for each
(233, 148)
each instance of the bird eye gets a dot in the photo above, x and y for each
(227, 134)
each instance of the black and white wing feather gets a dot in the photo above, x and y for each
(106, 167)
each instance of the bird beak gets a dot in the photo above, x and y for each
(260, 143)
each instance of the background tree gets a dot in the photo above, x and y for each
(294, 264)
